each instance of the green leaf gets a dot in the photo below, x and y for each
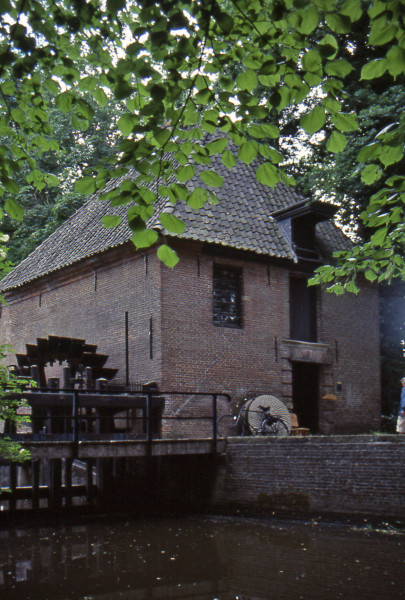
(370, 275)
(162, 137)
(36, 178)
(391, 155)
(228, 159)
(337, 142)
(185, 173)
(211, 178)
(268, 152)
(167, 256)
(126, 123)
(157, 92)
(197, 198)
(338, 23)
(51, 180)
(85, 185)
(371, 174)
(18, 115)
(247, 152)
(65, 101)
(114, 6)
(396, 61)
(381, 32)
(374, 69)
(217, 146)
(331, 105)
(325, 4)
(53, 86)
(203, 96)
(264, 130)
(144, 238)
(370, 151)
(247, 80)
(352, 287)
(83, 109)
(10, 185)
(172, 223)
(309, 20)
(339, 68)
(100, 96)
(345, 121)
(328, 46)
(14, 209)
(225, 22)
(111, 220)
(312, 61)
(86, 84)
(352, 9)
(378, 238)
(314, 120)
(267, 174)
(123, 89)
(191, 117)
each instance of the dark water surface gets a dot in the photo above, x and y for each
(200, 559)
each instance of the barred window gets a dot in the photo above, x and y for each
(227, 296)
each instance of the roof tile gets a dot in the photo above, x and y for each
(241, 220)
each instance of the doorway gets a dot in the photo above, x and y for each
(305, 384)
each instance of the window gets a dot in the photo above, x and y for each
(302, 310)
(227, 292)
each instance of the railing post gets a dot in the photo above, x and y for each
(214, 423)
(75, 411)
(148, 424)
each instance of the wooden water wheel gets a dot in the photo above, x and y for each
(70, 351)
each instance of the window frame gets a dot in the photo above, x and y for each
(227, 280)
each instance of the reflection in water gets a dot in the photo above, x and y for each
(200, 559)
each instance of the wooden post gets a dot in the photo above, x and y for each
(89, 481)
(88, 378)
(55, 483)
(68, 481)
(34, 372)
(66, 378)
(13, 486)
(35, 470)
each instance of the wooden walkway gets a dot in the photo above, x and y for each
(122, 448)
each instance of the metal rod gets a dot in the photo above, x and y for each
(35, 465)
(214, 423)
(13, 486)
(75, 414)
(68, 481)
(151, 338)
(148, 424)
(126, 350)
(89, 480)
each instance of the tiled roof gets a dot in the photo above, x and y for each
(241, 220)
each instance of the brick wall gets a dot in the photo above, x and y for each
(350, 325)
(202, 356)
(172, 338)
(250, 361)
(362, 475)
(89, 301)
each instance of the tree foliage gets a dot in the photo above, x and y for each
(9, 384)
(10, 409)
(166, 62)
(47, 206)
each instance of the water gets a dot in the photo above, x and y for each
(200, 559)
